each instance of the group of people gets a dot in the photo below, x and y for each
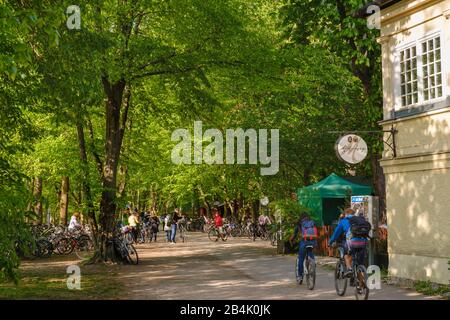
(263, 222)
(133, 221)
(353, 244)
(171, 222)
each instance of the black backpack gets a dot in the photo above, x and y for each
(359, 227)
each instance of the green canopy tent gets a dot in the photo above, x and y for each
(325, 198)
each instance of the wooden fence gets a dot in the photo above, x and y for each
(325, 233)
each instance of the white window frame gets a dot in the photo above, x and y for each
(397, 71)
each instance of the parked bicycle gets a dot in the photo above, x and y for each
(82, 245)
(124, 248)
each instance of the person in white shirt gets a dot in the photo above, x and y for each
(74, 224)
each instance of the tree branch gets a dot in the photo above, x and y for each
(98, 161)
(126, 107)
(168, 71)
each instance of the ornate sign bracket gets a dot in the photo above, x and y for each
(389, 141)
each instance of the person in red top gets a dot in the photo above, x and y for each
(218, 222)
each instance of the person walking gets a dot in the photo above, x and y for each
(173, 231)
(154, 227)
(218, 223)
(167, 226)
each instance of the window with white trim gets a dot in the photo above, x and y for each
(431, 65)
(408, 67)
(421, 72)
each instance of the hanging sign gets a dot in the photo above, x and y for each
(351, 148)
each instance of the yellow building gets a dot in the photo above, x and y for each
(415, 40)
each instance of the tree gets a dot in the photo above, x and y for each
(64, 201)
(335, 26)
(156, 48)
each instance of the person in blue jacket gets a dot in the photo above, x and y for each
(306, 227)
(342, 236)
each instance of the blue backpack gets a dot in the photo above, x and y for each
(309, 230)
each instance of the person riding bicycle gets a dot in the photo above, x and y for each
(263, 222)
(308, 230)
(74, 224)
(218, 222)
(354, 245)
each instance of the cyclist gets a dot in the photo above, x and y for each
(353, 245)
(218, 222)
(74, 224)
(308, 230)
(263, 221)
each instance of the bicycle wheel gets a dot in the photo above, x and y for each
(224, 237)
(361, 289)
(273, 239)
(264, 235)
(84, 247)
(140, 237)
(213, 234)
(250, 233)
(235, 232)
(64, 246)
(297, 275)
(183, 235)
(133, 257)
(43, 248)
(310, 273)
(340, 281)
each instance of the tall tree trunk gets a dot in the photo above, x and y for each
(154, 201)
(37, 192)
(123, 170)
(64, 201)
(87, 196)
(113, 143)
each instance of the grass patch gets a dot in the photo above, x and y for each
(53, 286)
(384, 273)
(430, 289)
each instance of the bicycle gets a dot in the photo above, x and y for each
(358, 277)
(214, 234)
(309, 269)
(125, 249)
(82, 245)
(275, 235)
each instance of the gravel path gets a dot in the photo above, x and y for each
(237, 269)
